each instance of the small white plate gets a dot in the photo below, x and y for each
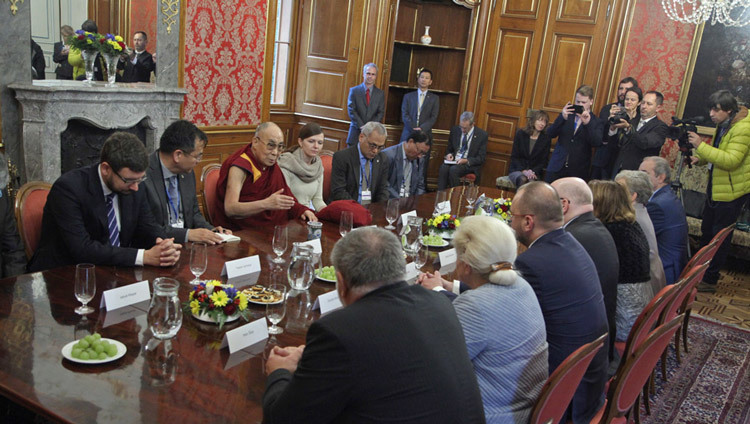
(443, 244)
(68, 349)
(324, 279)
(263, 303)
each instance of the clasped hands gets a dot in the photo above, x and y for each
(164, 253)
(284, 357)
(432, 280)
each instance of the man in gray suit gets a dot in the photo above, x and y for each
(419, 109)
(466, 151)
(407, 165)
(170, 184)
(366, 103)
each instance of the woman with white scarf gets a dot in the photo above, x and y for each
(303, 169)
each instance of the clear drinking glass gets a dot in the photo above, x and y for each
(391, 213)
(471, 194)
(421, 255)
(301, 272)
(440, 199)
(345, 225)
(275, 311)
(299, 314)
(279, 243)
(413, 234)
(164, 312)
(85, 287)
(198, 261)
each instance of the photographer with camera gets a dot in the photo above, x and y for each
(728, 175)
(601, 164)
(639, 136)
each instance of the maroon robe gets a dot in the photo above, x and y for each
(260, 184)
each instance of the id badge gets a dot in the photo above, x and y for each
(366, 197)
(178, 224)
(403, 192)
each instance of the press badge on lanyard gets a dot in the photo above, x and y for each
(366, 197)
(174, 222)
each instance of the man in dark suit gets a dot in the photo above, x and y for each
(578, 214)
(643, 137)
(139, 63)
(668, 217)
(467, 146)
(394, 353)
(577, 133)
(565, 281)
(601, 168)
(366, 103)
(170, 184)
(406, 170)
(97, 214)
(419, 109)
(360, 172)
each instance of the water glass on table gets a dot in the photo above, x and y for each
(391, 213)
(198, 261)
(346, 223)
(421, 255)
(279, 243)
(85, 287)
(471, 194)
(275, 311)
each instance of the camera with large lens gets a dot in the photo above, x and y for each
(615, 119)
(679, 131)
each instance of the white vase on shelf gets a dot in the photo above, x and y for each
(426, 39)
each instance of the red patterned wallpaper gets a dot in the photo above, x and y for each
(143, 18)
(224, 54)
(657, 53)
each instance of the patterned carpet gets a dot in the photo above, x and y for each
(731, 302)
(712, 385)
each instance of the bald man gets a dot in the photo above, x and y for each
(251, 190)
(566, 284)
(580, 222)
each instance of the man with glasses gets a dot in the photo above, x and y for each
(251, 190)
(96, 214)
(566, 284)
(360, 172)
(170, 187)
(407, 165)
(467, 149)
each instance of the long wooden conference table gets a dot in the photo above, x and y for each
(188, 379)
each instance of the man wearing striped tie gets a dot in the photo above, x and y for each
(97, 214)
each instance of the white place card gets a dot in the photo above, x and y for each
(411, 272)
(125, 313)
(447, 257)
(126, 295)
(328, 302)
(246, 335)
(243, 355)
(315, 244)
(444, 207)
(405, 216)
(240, 270)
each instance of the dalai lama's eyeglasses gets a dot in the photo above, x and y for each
(271, 146)
(130, 181)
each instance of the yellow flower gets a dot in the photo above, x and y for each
(191, 295)
(220, 298)
(213, 283)
(458, 223)
(88, 41)
(195, 306)
(118, 38)
(243, 301)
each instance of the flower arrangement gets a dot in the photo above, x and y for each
(111, 44)
(84, 40)
(502, 209)
(217, 301)
(443, 222)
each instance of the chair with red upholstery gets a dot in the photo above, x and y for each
(563, 382)
(209, 179)
(625, 386)
(326, 158)
(29, 206)
(469, 178)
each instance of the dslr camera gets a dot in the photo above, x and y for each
(679, 131)
(615, 119)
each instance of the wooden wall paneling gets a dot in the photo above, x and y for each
(406, 23)
(329, 35)
(449, 25)
(566, 72)
(447, 67)
(448, 110)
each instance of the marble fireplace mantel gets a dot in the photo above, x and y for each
(48, 105)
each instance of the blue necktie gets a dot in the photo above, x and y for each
(174, 198)
(114, 232)
(462, 150)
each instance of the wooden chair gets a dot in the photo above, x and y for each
(562, 384)
(209, 179)
(625, 386)
(326, 157)
(29, 209)
(469, 178)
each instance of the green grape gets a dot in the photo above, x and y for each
(97, 336)
(76, 352)
(105, 343)
(83, 344)
(432, 240)
(327, 272)
(101, 356)
(84, 356)
(98, 348)
(111, 350)
(89, 339)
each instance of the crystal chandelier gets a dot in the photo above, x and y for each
(726, 12)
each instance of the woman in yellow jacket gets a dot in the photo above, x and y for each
(728, 158)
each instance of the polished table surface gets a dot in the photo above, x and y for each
(188, 379)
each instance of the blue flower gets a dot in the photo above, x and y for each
(231, 292)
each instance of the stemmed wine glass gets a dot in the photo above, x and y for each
(421, 255)
(85, 287)
(471, 194)
(413, 235)
(391, 213)
(279, 243)
(345, 225)
(198, 261)
(440, 199)
(275, 311)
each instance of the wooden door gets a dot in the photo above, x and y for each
(537, 53)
